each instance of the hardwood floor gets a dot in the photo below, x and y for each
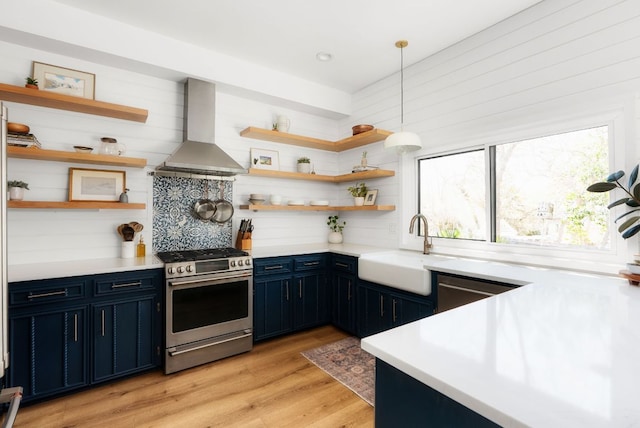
(271, 386)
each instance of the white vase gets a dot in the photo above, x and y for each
(16, 193)
(358, 201)
(335, 237)
(304, 167)
(283, 124)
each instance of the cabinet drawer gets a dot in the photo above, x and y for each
(344, 264)
(125, 283)
(272, 265)
(310, 262)
(39, 292)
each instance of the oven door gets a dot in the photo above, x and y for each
(208, 306)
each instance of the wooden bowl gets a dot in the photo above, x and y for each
(18, 128)
(359, 129)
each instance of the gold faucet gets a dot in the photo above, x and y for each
(427, 244)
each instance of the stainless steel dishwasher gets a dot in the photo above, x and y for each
(454, 291)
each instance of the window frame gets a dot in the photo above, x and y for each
(621, 156)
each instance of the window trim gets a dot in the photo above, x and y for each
(590, 260)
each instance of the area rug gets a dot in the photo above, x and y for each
(348, 364)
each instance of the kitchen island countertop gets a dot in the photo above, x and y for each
(561, 351)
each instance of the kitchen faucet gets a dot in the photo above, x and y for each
(427, 244)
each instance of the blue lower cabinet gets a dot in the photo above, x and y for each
(344, 271)
(289, 294)
(48, 352)
(381, 308)
(124, 335)
(69, 333)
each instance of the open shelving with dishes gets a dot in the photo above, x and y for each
(318, 208)
(70, 103)
(352, 142)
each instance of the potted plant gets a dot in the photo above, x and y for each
(16, 189)
(31, 83)
(631, 199)
(335, 236)
(358, 192)
(304, 165)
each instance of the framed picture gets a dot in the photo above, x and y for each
(95, 185)
(64, 81)
(265, 159)
(370, 197)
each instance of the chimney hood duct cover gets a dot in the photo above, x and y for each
(198, 154)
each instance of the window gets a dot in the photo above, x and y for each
(537, 192)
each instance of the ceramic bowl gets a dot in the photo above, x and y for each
(275, 200)
(257, 196)
(83, 149)
(256, 201)
(17, 128)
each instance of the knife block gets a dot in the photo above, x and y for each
(243, 241)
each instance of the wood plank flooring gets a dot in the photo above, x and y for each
(271, 386)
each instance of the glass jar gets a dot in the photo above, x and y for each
(109, 146)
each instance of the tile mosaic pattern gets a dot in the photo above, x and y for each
(175, 227)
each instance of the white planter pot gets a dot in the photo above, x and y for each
(304, 167)
(283, 124)
(16, 193)
(335, 238)
(358, 201)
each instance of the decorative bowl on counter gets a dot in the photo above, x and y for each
(83, 149)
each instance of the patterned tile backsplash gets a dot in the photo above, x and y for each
(175, 227)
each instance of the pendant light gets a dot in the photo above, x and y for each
(402, 141)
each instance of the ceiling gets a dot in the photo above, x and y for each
(285, 35)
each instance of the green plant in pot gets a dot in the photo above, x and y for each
(335, 236)
(16, 189)
(629, 226)
(359, 191)
(304, 165)
(31, 83)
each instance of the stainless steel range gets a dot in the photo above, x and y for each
(209, 306)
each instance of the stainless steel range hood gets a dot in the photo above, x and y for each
(198, 154)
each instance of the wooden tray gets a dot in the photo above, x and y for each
(634, 279)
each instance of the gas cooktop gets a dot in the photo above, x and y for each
(203, 254)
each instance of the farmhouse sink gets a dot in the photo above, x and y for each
(398, 269)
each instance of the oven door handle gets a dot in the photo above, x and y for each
(201, 279)
(195, 348)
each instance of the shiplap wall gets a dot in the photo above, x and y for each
(558, 60)
(555, 62)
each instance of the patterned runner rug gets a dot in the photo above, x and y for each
(348, 364)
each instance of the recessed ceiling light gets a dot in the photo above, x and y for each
(324, 56)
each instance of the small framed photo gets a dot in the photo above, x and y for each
(97, 185)
(64, 81)
(265, 159)
(370, 197)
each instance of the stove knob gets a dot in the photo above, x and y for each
(247, 262)
(233, 263)
(180, 269)
(171, 270)
(189, 268)
(239, 262)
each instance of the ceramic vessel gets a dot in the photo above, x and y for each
(16, 193)
(358, 201)
(128, 250)
(304, 167)
(335, 238)
(283, 123)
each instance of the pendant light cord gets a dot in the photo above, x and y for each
(401, 88)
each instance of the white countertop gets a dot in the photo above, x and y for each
(30, 272)
(289, 250)
(563, 351)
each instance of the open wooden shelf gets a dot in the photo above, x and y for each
(49, 99)
(88, 205)
(317, 208)
(62, 156)
(355, 176)
(315, 143)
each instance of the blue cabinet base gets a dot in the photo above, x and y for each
(403, 401)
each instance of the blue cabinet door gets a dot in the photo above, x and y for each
(272, 297)
(374, 310)
(48, 352)
(344, 292)
(311, 302)
(124, 337)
